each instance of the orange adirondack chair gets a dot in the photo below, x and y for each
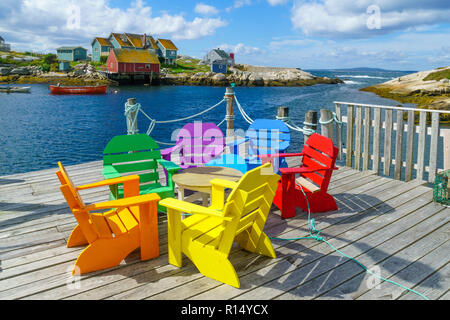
(318, 162)
(112, 235)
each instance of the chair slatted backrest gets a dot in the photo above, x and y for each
(200, 142)
(319, 151)
(267, 136)
(76, 204)
(131, 154)
(248, 204)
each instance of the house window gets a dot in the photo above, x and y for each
(147, 66)
(112, 65)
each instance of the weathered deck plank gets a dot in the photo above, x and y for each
(35, 264)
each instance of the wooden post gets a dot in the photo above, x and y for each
(229, 95)
(327, 128)
(132, 127)
(446, 148)
(283, 113)
(339, 130)
(310, 122)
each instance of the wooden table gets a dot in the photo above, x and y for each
(198, 179)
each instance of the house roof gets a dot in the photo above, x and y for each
(103, 42)
(70, 48)
(167, 44)
(135, 39)
(222, 54)
(152, 42)
(135, 56)
(123, 41)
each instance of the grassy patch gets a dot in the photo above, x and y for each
(438, 75)
(186, 66)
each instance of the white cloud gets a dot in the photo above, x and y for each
(239, 4)
(277, 2)
(240, 49)
(205, 9)
(26, 22)
(349, 18)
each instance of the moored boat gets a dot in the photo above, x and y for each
(78, 89)
(15, 89)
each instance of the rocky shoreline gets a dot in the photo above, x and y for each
(251, 76)
(428, 89)
(240, 75)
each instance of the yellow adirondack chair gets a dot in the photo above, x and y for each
(116, 233)
(206, 237)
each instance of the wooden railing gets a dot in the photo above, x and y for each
(366, 137)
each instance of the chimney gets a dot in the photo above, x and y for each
(232, 55)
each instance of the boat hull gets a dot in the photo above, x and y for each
(15, 89)
(78, 90)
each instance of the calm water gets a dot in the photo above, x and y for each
(39, 129)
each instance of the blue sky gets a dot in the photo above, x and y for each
(310, 34)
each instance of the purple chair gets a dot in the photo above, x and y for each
(196, 144)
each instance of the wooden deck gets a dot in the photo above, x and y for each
(388, 223)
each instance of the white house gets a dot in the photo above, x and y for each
(218, 56)
(4, 46)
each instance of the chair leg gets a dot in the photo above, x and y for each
(174, 237)
(76, 238)
(285, 197)
(213, 264)
(318, 202)
(106, 253)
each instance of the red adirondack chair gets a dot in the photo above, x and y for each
(313, 176)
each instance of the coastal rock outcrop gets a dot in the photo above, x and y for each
(246, 75)
(428, 89)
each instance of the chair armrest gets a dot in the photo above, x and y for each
(304, 170)
(280, 155)
(218, 192)
(168, 165)
(109, 182)
(191, 208)
(125, 202)
(109, 172)
(223, 183)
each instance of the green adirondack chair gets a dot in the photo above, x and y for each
(138, 154)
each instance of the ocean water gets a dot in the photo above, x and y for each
(39, 129)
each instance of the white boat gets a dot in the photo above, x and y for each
(15, 89)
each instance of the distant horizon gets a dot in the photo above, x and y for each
(316, 34)
(362, 69)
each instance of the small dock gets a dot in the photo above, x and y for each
(392, 227)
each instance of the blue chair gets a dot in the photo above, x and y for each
(229, 160)
(264, 136)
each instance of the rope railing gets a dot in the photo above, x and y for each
(132, 110)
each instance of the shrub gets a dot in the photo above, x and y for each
(45, 67)
(50, 58)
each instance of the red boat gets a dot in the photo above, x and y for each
(78, 89)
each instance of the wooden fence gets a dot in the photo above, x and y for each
(367, 135)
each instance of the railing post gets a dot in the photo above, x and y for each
(326, 129)
(283, 113)
(446, 133)
(310, 122)
(229, 95)
(339, 130)
(132, 118)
